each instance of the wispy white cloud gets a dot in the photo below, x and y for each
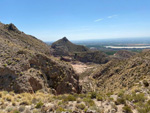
(109, 17)
(99, 20)
(112, 16)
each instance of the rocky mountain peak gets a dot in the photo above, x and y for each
(12, 27)
(65, 39)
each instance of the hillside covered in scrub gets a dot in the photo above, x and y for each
(123, 74)
(26, 65)
(123, 54)
(35, 77)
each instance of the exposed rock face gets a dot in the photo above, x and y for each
(12, 27)
(7, 76)
(25, 65)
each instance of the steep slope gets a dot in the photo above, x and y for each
(12, 34)
(65, 47)
(118, 74)
(25, 65)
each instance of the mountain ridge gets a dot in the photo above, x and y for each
(26, 65)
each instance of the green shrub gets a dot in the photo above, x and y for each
(135, 97)
(89, 102)
(85, 110)
(93, 95)
(120, 101)
(5, 65)
(139, 97)
(60, 103)
(9, 62)
(60, 110)
(82, 95)
(148, 102)
(80, 106)
(128, 97)
(109, 93)
(70, 98)
(146, 84)
(15, 111)
(144, 108)
(99, 98)
(121, 93)
(39, 105)
(127, 109)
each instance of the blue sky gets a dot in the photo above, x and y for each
(50, 20)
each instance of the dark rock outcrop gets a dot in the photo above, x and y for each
(12, 27)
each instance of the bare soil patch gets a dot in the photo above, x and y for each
(80, 67)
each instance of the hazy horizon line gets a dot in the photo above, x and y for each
(101, 39)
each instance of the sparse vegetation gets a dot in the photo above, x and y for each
(120, 101)
(69, 98)
(89, 102)
(16, 111)
(99, 98)
(138, 97)
(60, 109)
(39, 104)
(80, 106)
(21, 108)
(127, 109)
(93, 95)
